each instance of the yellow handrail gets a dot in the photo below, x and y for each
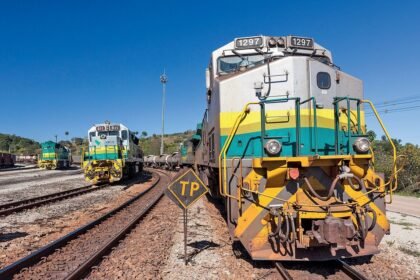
(223, 152)
(394, 176)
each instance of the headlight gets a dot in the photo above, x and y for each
(273, 147)
(272, 42)
(361, 145)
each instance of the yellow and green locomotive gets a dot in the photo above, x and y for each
(113, 153)
(54, 156)
(284, 132)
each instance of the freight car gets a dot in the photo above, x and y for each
(26, 158)
(7, 160)
(54, 156)
(284, 135)
(113, 153)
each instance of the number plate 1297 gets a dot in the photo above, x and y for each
(304, 43)
(249, 43)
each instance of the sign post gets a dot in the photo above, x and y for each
(185, 191)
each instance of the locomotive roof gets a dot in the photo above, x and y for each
(288, 48)
(93, 128)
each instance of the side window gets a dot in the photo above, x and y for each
(323, 80)
(124, 134)
(91, 134)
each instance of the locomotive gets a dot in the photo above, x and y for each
(283, 143)
(113, 153)
(54, 156)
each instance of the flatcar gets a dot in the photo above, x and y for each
(283, 144)
(54, 156)
(113, 153)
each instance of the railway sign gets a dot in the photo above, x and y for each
(186, 189)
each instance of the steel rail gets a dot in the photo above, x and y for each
(283, 271)
(14, 268)
(85, 267)
(17, 206)
(349, 271)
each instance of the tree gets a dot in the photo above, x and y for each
(144, 134)
(371, 135)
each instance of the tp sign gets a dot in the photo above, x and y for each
(186, 189)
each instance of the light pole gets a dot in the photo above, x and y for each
(163, 80)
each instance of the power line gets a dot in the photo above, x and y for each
(395, 110)
(405, 98)
(398, 103)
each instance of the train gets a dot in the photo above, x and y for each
(164, 161)
(26, 158)
(7, 160)
(113, 153)
(283, 144)
(54, 156)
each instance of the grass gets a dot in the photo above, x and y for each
(402, 223)
(407, 193)
(390, 243)
(409, 251)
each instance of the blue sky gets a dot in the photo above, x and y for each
(65, 65)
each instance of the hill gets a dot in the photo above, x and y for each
(18, 145)
(151, 144)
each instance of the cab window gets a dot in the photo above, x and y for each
(323, 80)
(124, 134)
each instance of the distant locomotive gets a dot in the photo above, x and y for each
(284, 132)
(54, 156)
(113, 153)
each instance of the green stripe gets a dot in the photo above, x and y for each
(249, 144)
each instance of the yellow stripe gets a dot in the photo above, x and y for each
(284, 119)
(260, 239)
(363, 200)
(254, 210)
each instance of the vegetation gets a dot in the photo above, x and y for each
(18, 145)
(408, 161)
(151, 144)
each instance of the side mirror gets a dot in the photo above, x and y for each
(207, 79)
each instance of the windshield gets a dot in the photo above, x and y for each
(229, 64)
(109, 133)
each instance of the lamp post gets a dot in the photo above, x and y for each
(163, 80)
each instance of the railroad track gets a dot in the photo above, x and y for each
(340, 264)
(73, 255)
(21, 205)
(18, 206)
(38, 175)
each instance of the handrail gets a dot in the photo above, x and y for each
(394, 176)
(223, 152)
(315, 121)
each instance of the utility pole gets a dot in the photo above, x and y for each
(163, 80)
(55, 138)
